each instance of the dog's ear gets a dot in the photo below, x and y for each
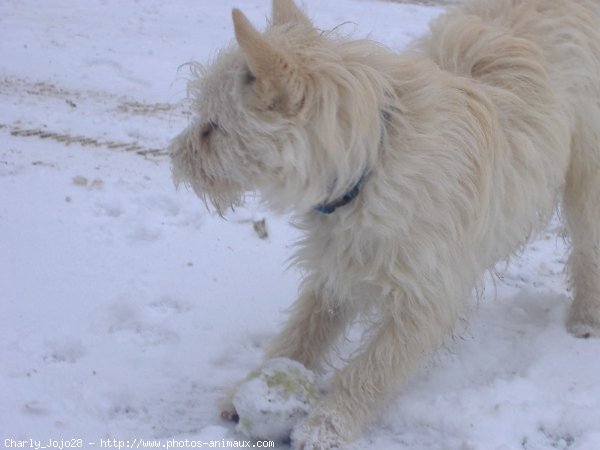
(286, 11)
(273, 75)
(262, 57)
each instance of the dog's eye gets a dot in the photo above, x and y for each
(208, 129)
(249, 77)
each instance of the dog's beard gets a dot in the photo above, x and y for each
(218, 195)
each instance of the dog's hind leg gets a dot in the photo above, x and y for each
(582, 209)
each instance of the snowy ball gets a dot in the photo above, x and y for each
(274, 399)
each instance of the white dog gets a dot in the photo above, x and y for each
(410, 174)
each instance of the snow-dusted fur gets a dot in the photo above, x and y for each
(466, 144)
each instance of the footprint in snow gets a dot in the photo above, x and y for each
(68, 350)
(166, 305)
(130, 323)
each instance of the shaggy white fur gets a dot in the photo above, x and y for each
(466, 144)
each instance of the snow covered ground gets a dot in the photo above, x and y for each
(126, 308)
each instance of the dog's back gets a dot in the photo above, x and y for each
(490, 40)
(538, 62)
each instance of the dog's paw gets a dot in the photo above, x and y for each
(321, 430)
(228, 411)
(230, 415)
(582, 329)
(584, 325)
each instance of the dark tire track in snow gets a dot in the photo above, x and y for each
(69, 139)
(51, 102)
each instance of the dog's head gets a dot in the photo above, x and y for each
(291, 112)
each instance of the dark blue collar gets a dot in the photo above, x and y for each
(328, 208)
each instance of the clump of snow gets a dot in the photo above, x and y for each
(274, 399)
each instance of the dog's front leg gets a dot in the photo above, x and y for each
(364, 386)
(312, 328)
